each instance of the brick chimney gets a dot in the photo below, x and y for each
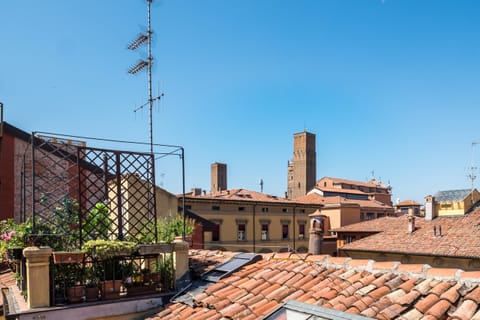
(316, 232)
(411, 223)
(429, 208)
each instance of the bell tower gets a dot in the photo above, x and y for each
(302, 172)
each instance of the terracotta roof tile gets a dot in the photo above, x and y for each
(470, 275)
(440, 288)
(413, 314)
(260, 288)
(426, 303)
(408, 285)
(452, 294)
(265, 308)
(413, 268)
(439, 309)
(392, 311)
(363, 303)
(380, 292)
(409, 298)
(442, 272)
(474, 295)
(476, 316)
(402, 292)
(235, 310)
(317, 258)
(268, 290)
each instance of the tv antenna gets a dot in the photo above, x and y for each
(141, 65)
(472, 168)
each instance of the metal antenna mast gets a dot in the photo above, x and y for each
(142, 64)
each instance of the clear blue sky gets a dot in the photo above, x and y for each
(390, 86)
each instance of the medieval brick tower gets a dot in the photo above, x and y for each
(218, 177)
(302, 169)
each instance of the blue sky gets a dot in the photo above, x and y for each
(390, 86)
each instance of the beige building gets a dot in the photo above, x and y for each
(250, 221)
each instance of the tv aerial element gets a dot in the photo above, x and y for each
(147, 64)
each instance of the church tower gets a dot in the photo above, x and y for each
(302, 169)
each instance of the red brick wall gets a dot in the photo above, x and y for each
(7, 181)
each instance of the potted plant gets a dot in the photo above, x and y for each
(66, 218)
(74, 278)
(109, 254)
(92, 282)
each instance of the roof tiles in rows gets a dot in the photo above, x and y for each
(459, 236)
(241, 194)
(363, 287)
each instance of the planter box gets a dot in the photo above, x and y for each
(111, 289)
(75, 294)
(154, 249)
(139, 290)
(67, 257)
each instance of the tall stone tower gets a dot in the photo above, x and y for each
(302, 169)
(218, 177)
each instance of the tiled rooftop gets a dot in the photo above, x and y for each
(407, 203)
(315, 198)
(452, 195)
(369, 184)
(460, 235)
(241, 194)
(382, 290)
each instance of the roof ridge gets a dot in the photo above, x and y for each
(421, 271)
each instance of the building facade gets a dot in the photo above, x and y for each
(250, 221)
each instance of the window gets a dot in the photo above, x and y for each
(301, 231)
(370, 215)
(216, 208)
(362, 216)
(264, 209)
(284, 231)
(241, 232)
(241, 208)
(302, 210)
(349, 239)
(264, 232)
(284, 210)
(216, 233)
(188, 207)
(380, 215)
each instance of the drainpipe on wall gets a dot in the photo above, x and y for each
(254, 239)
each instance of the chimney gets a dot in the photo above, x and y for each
(411, 223)
(316, 232)
(429, 208)
(196, 191)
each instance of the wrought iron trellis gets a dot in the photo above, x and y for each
(87, 193)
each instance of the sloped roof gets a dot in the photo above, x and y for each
(370, 184)
(460, 236)
(451, 195)
(240, 194)
(315, 198)
(382, 290)
(406, 203)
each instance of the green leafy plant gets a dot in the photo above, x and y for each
(107, 249)
(97, 223)
(171, 226)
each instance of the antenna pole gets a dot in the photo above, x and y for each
(150, 61)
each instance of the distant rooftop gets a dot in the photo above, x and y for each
(452, 195)
(460, 236)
